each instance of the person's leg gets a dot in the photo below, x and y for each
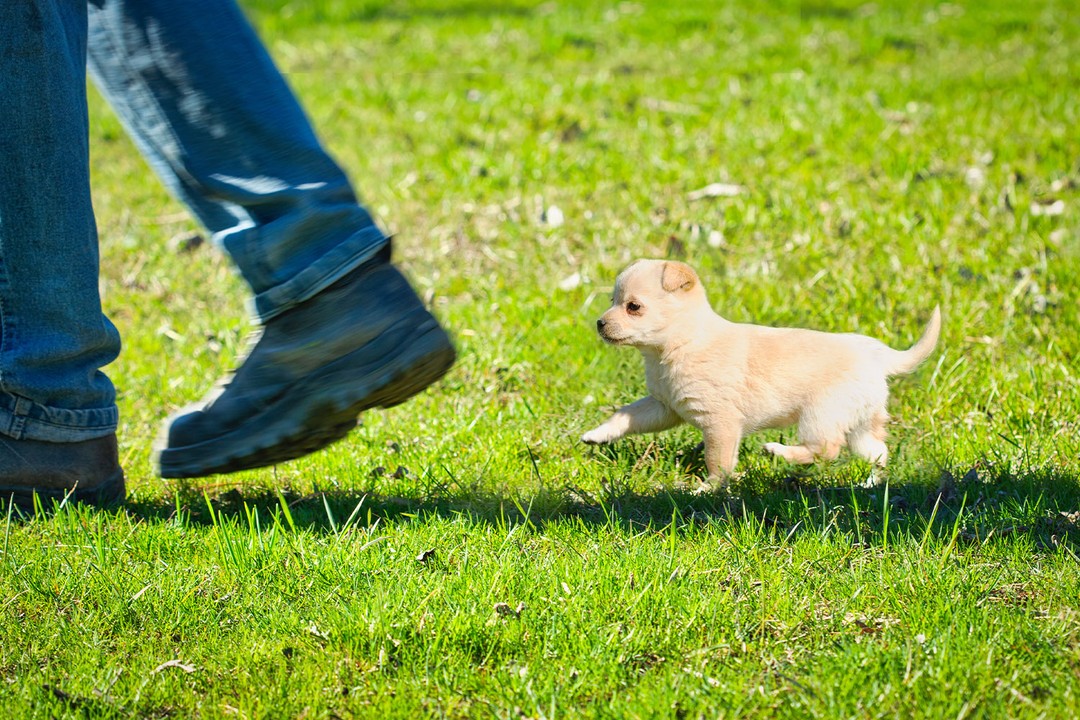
(57, 409)
(342, 330)
(203, 101)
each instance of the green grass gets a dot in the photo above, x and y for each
(891, 153)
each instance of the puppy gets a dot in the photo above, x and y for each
(729, 379)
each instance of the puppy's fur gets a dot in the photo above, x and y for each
(729, 379)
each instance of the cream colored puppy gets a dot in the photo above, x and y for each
(729, 379)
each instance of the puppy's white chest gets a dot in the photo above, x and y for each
(668, 385)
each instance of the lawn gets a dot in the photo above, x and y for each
(464, 555)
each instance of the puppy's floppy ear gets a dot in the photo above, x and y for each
(677, 276)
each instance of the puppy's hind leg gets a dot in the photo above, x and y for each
(816, 443)
(806, 453)
(823, 430)
(646, 415)
(799, 454)
(868, 440)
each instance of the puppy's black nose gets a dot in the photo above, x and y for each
(600, 324)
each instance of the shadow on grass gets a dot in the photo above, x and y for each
(980, 505)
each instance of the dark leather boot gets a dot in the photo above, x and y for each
(366, 341)
(87, 471)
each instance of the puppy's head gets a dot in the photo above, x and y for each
(650, 296)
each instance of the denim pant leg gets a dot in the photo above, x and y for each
(206, 105)
(53, 336)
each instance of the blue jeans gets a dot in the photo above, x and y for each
(201, 97)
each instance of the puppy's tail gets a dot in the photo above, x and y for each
(904, 361)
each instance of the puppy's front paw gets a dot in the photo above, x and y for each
(704, 488)
(874, 479)
(774, 448)
(596, 436)
(722, 481)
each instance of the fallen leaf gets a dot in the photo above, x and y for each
(504, 610)
(426, 555)
(1049, 208)
(869, 626)
(710, 681)
(570, 282)
(553, 217)
(714, 190)
(185, 242)
(175, 664)
(1013, 594)
(975, 177)
(667, 106)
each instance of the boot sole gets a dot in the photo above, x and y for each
(323, 407)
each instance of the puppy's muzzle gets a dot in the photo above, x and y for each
(601, 327)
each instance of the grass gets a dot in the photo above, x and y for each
(463, 555)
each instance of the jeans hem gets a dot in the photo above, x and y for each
(330, 268)
(23, 419)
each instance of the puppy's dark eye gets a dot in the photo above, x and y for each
(633, 308)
